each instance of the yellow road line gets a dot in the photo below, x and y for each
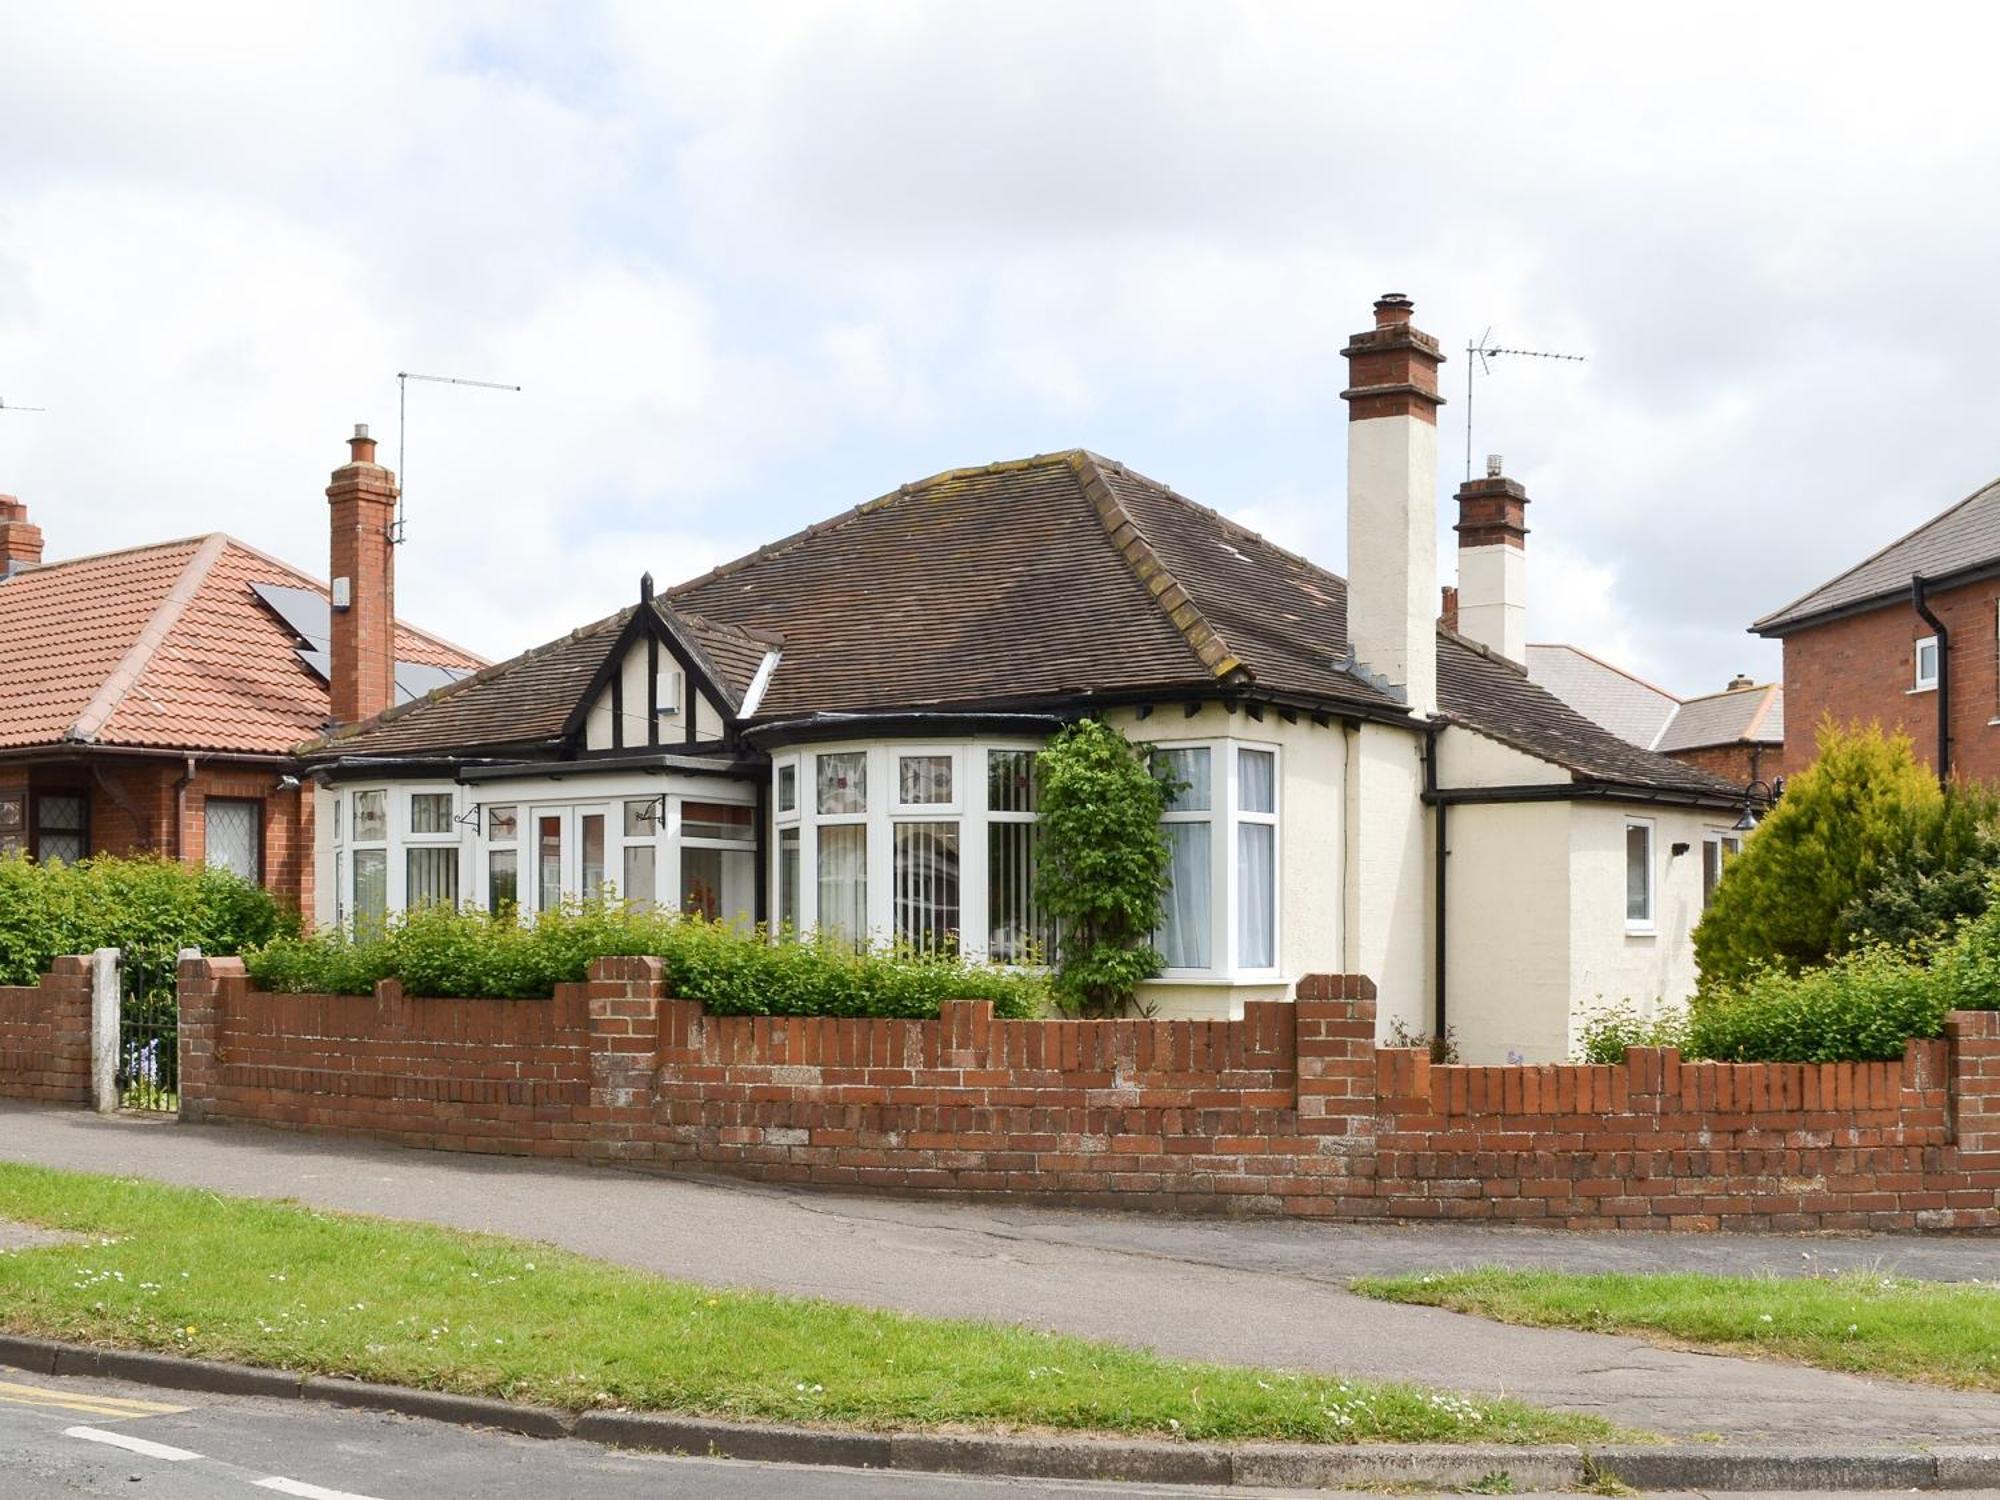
(83, 1401)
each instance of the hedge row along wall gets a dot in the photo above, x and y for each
(1292, 1110)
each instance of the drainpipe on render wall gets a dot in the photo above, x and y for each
(1439, 813)
(1920, 600)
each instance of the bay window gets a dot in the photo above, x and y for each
(368, 857)
(925, 850)
(1220, 915)
(840, 782)
(503, 857)
(1256, 859)
(639, 861)
(1016, 930)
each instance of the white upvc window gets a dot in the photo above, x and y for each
(1222, 912)
(840, 827)
(1018, 931)
(431, 850)
(1639, 879)
(642, 825)
(1926, 655)
(500, 828)
(1718, 847)
(368, 857)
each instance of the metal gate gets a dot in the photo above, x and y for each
(149, 1031)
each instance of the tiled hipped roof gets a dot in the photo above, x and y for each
(1052, 580)
(164, 647)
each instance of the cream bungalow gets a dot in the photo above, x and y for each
(838, 731)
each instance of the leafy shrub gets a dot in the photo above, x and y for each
(1926, 891)
(1442, 1047)
(149, 906)
(1860, 1008)
(1863, 817)
(449, 953)
(1101, 863)
(1612, 1028)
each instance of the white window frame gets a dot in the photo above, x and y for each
(485, 846)
(779, 812)
(1726, 843)
(1923, 684)
(357, 846)
(1648, 925)
(1225, 816)
(405, 798)
(929, 812)
(981, 817)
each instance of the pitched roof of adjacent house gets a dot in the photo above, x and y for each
(1964, 539)
(1740, 716)
(1628, 706)
(168, 646)
(1051, 580)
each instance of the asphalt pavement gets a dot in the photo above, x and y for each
(1247, 1293)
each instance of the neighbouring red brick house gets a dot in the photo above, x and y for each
(1906, 638)
(150, 698)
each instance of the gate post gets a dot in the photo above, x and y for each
(104, 1019)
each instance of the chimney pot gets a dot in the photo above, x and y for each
(1494, 467)
(1392, 308)
(361, 447)
(1740, 682)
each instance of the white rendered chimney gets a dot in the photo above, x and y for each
(1392, 586)
(1493, 563)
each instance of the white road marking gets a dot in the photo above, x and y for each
(305, 1491)
(130, 1444)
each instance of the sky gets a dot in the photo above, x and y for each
(751, 265)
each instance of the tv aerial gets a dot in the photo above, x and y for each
(6, 405)
(403, 379)
(1478, 357)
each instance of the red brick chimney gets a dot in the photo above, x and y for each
(20, 539)
(362, 501)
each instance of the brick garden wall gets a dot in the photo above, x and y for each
(45, 1036)
(1293, 1110)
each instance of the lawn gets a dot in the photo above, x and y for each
(280, 1285)
(1947, 1333)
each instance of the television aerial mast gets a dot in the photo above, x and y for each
(403, 379)
(1477, 357)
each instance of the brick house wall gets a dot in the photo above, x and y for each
(1860, 670)
(132, 810)
(1292, 1110)
(1741, 764)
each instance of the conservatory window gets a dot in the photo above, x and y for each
(1185, 936)
(1016, 929)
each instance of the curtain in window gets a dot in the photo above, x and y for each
(548, 863)
(1017, 930)
(430, 812)
(639, 887)
(590, 843)
(701, 882)
(1190, 768)
(1256, 781)
(1184, 933)
(371, 889)
(843, 882)
(1256, 895)
(788, 878)
(926, 876)
(432, 878)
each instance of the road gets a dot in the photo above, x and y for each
(61, 1439)
(1246, 1293)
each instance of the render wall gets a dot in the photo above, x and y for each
(1388, 872)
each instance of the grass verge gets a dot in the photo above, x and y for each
(279, 1285)
(1945, 1333)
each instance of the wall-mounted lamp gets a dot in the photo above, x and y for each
(1677, 850)
(1754, 807)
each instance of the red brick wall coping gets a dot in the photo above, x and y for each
(1292, 1110)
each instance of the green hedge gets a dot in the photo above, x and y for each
(151, 907)
(448, 953)
(1861, 1007)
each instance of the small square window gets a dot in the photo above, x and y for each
(643, 817)
(371, 817)
(503, 824)
(843, 782)
(923, 780)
